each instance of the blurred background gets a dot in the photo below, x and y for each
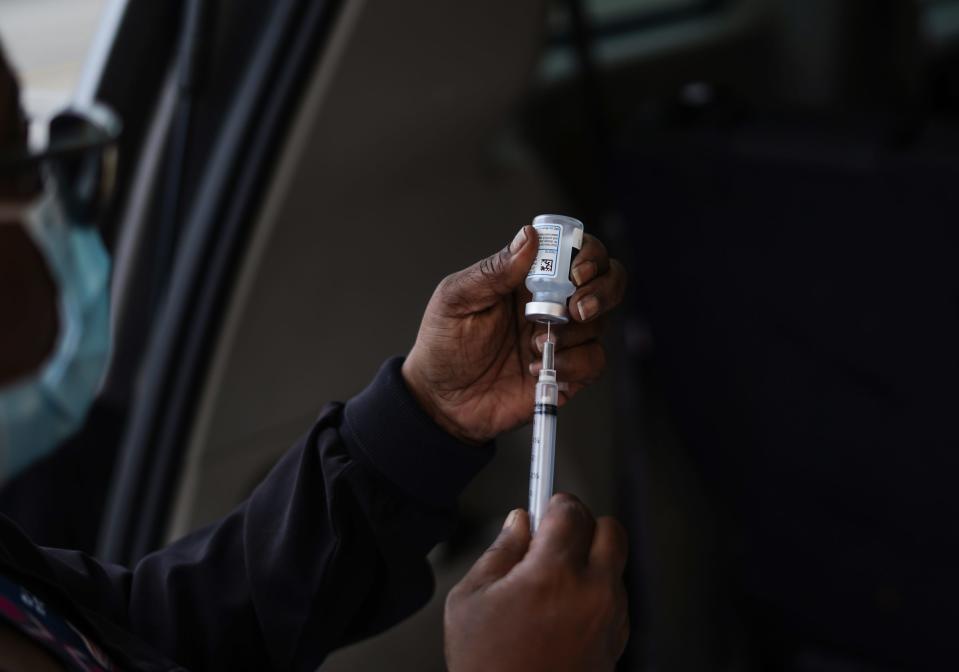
(778, 426)
(48, 41)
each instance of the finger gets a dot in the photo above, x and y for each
(610, 548)
(484, 283)
(569, 390)
(592, 261)
(583, 364)
(566, 533)
(571, 335)
(600, 295)
(505, 553)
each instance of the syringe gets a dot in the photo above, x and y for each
(549, 283)
(544, 439)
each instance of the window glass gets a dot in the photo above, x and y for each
(941, 20)
(46, 42)
(613, 11)
(621, 21)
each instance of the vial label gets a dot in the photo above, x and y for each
(547, 258)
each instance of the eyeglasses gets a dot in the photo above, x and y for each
(80, 159)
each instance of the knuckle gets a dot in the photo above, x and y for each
(502, 545)
(492, 266)
(566, 500)
(454, 598)
(618, 530)
(610, 607)
(570, 510)
(542, 583)
(619, 536)
(448, 286)
(554, 579)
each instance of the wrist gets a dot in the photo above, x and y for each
(386, 429)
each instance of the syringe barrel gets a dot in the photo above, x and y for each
(542, 463)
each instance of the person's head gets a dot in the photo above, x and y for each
(28, 309)
(53, 297)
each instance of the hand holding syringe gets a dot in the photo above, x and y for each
(463, 371)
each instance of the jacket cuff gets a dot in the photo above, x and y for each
(385, 426)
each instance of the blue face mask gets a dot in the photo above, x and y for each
(39, 412)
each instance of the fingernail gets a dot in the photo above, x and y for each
(518, 241)
(539, 342)
(510, 519)
(580, 274)
(588, 307)
(534, 368)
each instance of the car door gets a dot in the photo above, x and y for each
(225, 94)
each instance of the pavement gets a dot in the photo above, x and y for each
(47, 42)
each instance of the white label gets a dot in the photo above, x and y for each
(547, 258)
(577, 239)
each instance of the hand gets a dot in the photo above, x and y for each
(554, 603)
(470, 365)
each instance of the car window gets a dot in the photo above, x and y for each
(612, 24)
(606, 13)
(941, 20)
(47, 41)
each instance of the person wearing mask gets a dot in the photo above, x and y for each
(331, 547)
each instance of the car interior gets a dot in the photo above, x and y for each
(264, 269)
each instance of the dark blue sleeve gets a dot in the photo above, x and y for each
(330, 548)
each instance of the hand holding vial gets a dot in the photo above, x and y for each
(476, 356)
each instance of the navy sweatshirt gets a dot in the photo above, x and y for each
(330, 548)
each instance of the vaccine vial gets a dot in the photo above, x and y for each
(560, 238)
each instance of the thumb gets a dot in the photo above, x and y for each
(485, 282)
(505, 553)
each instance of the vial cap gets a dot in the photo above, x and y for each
(557, 219)
(546, 312)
